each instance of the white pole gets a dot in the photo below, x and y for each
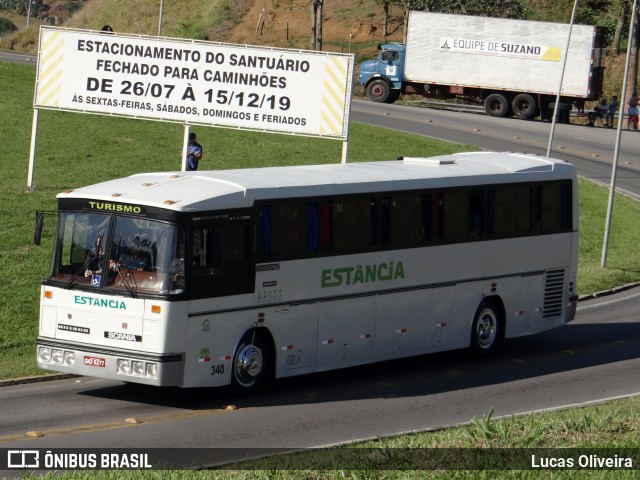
(32, 149)
(29, 13)
(616, 153)
(160, 20)
(345, 142)
(185, 147)
(564, 65)
(345, 147)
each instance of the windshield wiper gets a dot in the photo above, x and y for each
(127, 284)
(83, 268)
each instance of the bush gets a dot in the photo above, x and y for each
(6, 26)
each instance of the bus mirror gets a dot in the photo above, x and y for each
(37, 236)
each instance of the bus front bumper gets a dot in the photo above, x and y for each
(122, 365)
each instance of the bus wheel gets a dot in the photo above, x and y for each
(486, 330)
(378, 91)
(251, 363)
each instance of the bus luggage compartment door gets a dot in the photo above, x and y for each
(346, 332)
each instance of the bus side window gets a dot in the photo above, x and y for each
(403, 220)
(438, 221)
(290, 229)
(353, 223)
(455, 215)
(222, 260)
(476, 213)
(326, 229)
(427, 217)
(265, 224)
(509, 211)
(313, 227)
(554, 207)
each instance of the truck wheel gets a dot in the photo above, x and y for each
(378, 91)
(486, 331)
(252, 366)
(496, 105)
(524, 105)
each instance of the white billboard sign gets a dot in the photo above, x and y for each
(195, 82)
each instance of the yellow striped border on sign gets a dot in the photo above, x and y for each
(50, 69)
(333, 99)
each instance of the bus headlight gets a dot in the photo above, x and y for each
(124, 366)
(137, 368)
(44, 354)
(56, 356)
(69, 358)
(152, 370)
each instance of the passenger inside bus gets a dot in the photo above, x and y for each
(136, 258)
(177, 269)
(95, 258)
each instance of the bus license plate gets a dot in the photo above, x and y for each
(94, 361)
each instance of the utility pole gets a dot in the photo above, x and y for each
(160, 20)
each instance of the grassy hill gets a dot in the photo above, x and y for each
(273, 23)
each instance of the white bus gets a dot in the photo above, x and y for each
(210, 278)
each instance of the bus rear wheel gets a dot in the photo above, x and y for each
(251, 363)
(486, 332)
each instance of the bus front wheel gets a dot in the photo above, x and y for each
(251, 363)
(486, 331)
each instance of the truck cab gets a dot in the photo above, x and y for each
(382, 78)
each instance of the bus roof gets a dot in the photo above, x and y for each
(219, 189)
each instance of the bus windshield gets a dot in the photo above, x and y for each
(111, 252)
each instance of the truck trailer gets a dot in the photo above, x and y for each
(512, 67)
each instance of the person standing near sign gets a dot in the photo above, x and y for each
(194, 152)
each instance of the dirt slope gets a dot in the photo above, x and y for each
(272, 22)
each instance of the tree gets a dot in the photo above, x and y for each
(316, 24)
(484, 8)
(632, 74)
(316, 14)
(623, 20)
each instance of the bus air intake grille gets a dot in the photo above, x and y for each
(553, 293)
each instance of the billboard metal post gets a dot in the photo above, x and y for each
(616, 153)
(160, 19)
(185, 147)
(32, 149)
(564, 65)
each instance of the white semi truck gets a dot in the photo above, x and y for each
(512, 67)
